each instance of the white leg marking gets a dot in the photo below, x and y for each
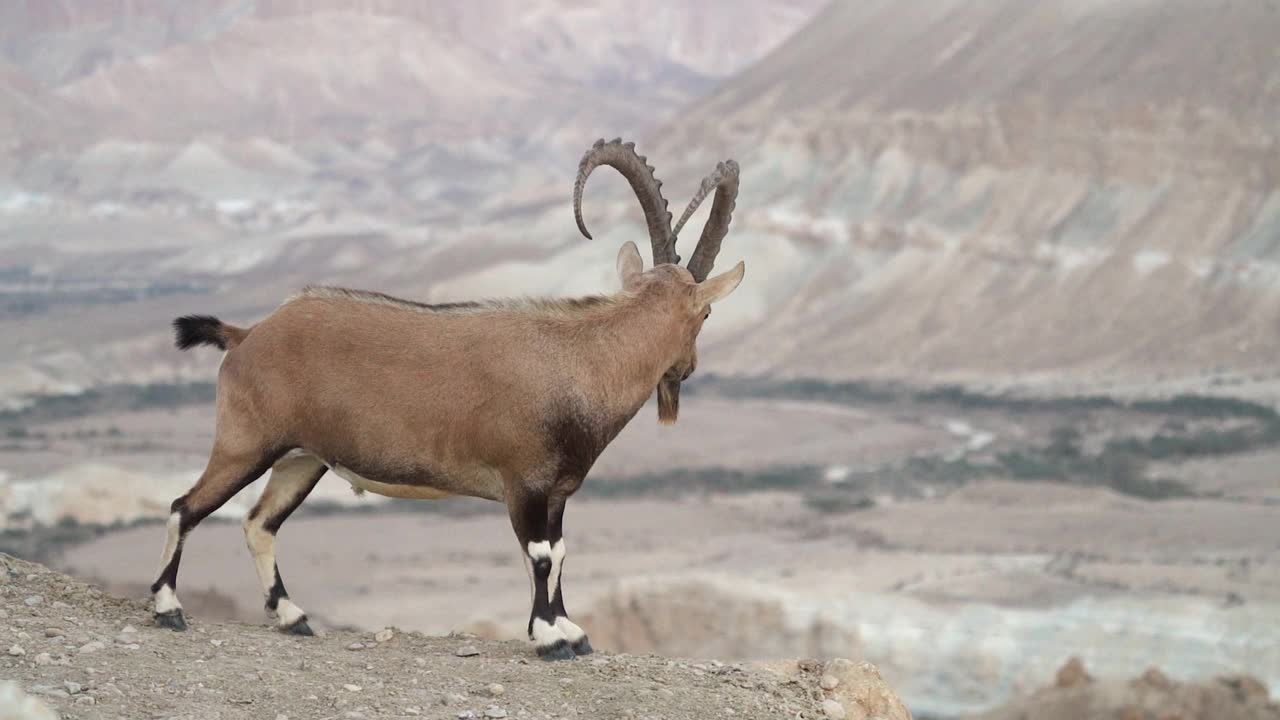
(174, 526)
(288, 613)
(528, 570)
(167, 600)
(545, 634)
(539, 550)
(262, 545)
(557, 560)
(572, 632)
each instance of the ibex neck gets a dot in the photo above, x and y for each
(629, 350)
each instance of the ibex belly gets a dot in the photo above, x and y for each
(474, 481)
(363, 484)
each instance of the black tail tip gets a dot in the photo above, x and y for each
(193, 330)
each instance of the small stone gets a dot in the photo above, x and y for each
(496, 690)
(829, 682)
(33, 600)
(452, 699)
(493, 711)
(59, 605)
(126, 638)
(466, 715)
(413, 710)
(73, 687)
(17, 651)
(833, 709)
(384, 635)
(566, 681)
(128, 629)
(356, 646)
(53, 632)
(86, 700)
(44, 659)
(216, 643)
(466, 651)
(282, 716)
(92, 647)
(420, 662)
(352, 688)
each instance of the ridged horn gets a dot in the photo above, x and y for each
(648, 189)
(724, 180)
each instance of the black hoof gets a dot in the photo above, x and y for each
(299, 627)
(558, 651)
(172, 620)
(582, 647)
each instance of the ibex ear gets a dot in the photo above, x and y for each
(629, 264)
(715, 289)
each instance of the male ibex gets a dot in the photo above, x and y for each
(507, 400)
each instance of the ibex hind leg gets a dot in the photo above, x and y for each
(229, 471)
(292, 479)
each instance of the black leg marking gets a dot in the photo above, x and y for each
(277, 592)
(169, 575)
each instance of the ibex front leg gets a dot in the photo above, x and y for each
(555, 533)
(542, 560)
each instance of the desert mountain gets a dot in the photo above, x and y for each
(1059, 195)
(236, 150)
(1065, 191)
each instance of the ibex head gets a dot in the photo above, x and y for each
(697, 292)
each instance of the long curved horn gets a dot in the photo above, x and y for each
(725, 182)
(623, 158)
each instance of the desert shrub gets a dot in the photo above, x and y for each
(1207, 406)
(837, 502)
(1029, 465)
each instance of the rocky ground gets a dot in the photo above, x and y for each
(86, 654)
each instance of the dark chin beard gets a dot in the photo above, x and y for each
(668, 401)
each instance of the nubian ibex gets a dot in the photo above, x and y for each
(510, 400)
